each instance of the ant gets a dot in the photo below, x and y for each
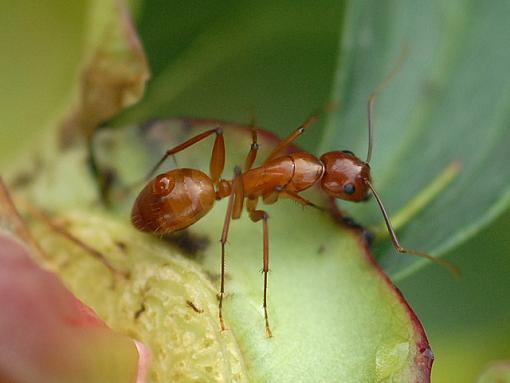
(176, 199)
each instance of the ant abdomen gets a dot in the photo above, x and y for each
(173, 201)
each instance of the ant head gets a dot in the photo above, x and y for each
(345, 176)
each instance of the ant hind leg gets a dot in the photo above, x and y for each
(217, 162)
(261, 215)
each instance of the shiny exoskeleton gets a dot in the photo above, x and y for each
(176, 199)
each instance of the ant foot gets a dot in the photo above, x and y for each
(222, 324)
(269, 334)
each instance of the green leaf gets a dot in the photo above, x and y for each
(449, 102)
(102, 71)
(114, 71)
(36, 78)
(324, 291)
(450, 310)
(334, 315)
(498, 371)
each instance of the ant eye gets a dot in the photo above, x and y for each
(348, 152)
(349, 189)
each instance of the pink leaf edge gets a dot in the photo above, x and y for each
(47, 334)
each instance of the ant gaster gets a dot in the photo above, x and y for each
(176, 199)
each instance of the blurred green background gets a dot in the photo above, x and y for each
(229, 60)
(467, 321)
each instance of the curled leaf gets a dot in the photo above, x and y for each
(115, 70)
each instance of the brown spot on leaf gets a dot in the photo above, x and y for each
(21, 180)
(139, 311)
(106, 178)
(350, 223)
(122, 246)
(191, 244)
(26, 177)
(195, 308)
(213, 277)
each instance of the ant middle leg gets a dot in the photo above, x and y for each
(255, 216)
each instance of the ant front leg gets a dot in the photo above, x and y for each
(300, 199)
(255, 216)
(294, 135)
(235, 204)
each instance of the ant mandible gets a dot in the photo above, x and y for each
(176, 199)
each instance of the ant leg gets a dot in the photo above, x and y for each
(217, 158)
(257, 215)
(234, 196)
(250, 159)
(251, 204)
(300, 199)
(252, 155)
(396, 244)
(238, 190)
(273, 196)
(298, 132)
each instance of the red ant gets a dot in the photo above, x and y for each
(177, 199)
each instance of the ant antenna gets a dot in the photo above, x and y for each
(451, 268)
(375, 93)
